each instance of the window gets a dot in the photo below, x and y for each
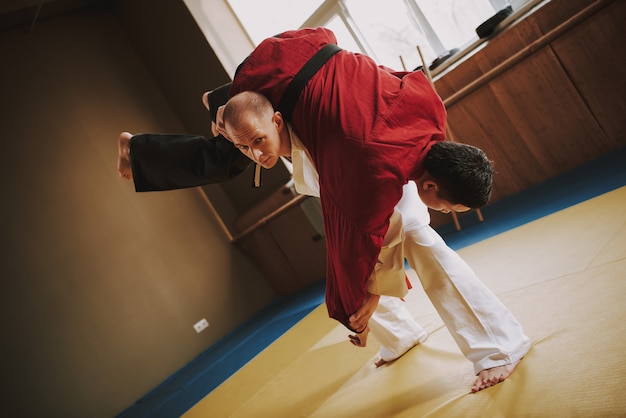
(389, 31)
(265, 18)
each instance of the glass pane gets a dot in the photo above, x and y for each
(343, 35)
(391, 32)
(455, 22)
(265, 18)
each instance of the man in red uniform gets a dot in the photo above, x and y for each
(367, 130)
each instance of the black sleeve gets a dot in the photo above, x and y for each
(217, 98)
(166, 162)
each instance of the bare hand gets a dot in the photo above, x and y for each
(359, 340)
(219, 125)
(360, 319)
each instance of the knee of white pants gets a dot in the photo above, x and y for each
(483, 328)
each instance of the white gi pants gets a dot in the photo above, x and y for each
(483, 328)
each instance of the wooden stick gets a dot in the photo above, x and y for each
(455, 217)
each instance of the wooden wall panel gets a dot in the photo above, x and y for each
(551, 118)
(289, 250)
(555, 109)
(596, 64)
(461, 75)
(530, 121)
(555, 12)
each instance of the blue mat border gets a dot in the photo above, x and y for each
(585, 182)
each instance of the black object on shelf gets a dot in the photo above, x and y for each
(441, 58)
(489, 26)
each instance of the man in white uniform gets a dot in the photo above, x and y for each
(483, 328)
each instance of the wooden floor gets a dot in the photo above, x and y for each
(564, 278)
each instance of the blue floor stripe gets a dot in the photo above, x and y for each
(186, 387)
(575, 186)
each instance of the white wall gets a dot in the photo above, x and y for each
(100, 285)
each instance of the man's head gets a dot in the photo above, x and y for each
(256, 129)
(458, 177)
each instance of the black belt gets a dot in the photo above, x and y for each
(292, 92)
(308, 70)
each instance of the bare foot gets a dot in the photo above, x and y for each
(493, 376)
(360, 340)
(380, 362)
(123, 156)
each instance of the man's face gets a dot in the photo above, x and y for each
(259, 139)
(430, 197)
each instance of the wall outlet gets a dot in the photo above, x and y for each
(201, 325)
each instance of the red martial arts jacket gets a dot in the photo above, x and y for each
(367, 129)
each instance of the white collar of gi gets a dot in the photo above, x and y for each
(305, 175)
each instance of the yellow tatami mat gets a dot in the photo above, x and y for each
(562, 276)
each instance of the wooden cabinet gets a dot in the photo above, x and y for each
(287, 244)
(548, 93)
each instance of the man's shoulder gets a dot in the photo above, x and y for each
(319, 32)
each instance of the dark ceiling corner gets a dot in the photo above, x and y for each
(26, 13)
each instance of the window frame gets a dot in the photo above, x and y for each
(231, 42)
